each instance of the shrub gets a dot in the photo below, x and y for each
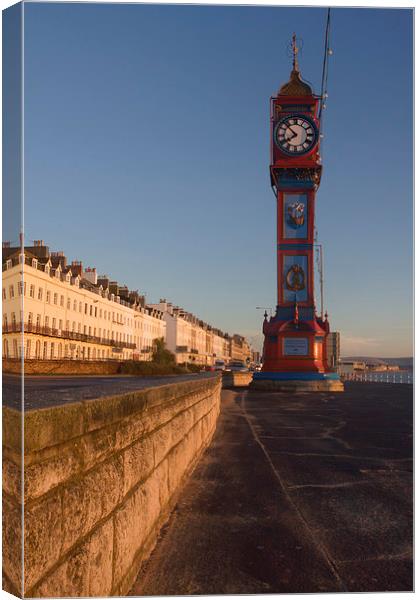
(149, 368)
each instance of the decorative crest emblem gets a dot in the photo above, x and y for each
(295, 278)
(296, 212)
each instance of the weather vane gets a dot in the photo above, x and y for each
(293, 48)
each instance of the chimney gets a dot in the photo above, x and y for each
(91, 275)
(76, 267)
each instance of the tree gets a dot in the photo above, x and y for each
(161, 354)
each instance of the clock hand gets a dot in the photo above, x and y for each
(292, 136)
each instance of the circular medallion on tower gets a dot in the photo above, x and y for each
(295, 135)
(295, 278)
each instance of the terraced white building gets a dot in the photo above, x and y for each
(52, 310)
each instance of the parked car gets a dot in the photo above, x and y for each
(219, 365)
(237, 365)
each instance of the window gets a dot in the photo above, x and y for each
(73, 327)
(32, 291)
(79, 327)
(60, 324)
(91, 309)
(80, 307)
(48, 297)
(39, 293)
(96, 311)
(11, 291)
(74, 305)
(54, 322)
(68, 303)
(45, 350)
(28, 349)
(61, 300)
(13, 319)
(5, 321)
(100, 313)
(4, 293)
(67, 325)
(30, 316)
(47, 320)
(52, 350)
(55, 298)
(34, 263)
(38, 320)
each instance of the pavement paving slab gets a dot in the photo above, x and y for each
(296, 493)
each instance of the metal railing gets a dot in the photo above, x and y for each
(379, 377)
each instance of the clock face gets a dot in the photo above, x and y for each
(295, 135)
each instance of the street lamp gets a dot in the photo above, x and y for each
(265, 308)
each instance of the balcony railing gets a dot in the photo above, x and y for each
(64, 334)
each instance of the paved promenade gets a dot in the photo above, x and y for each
(42, 392)
(305, 493)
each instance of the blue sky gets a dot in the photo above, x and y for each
(147, 150)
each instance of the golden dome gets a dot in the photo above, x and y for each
(295, 86)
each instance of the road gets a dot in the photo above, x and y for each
(41, 391)
(304, 493)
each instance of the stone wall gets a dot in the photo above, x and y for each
(100, 479)
(236, 378)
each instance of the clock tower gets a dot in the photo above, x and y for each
(294, 356)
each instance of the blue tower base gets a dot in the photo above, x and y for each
(297, 382)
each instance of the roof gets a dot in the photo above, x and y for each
(295, 86)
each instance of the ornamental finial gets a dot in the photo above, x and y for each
(295, 86)
(295, 51)
(296, 315)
